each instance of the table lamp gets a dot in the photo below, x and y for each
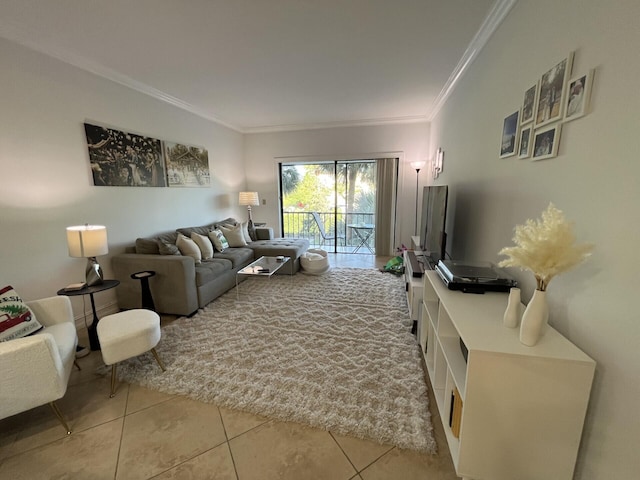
(89, 241)
(249, 199)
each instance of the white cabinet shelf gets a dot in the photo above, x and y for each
(523, 408)
(414, 288)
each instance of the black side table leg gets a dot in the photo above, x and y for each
(147, 299)
(94, 343)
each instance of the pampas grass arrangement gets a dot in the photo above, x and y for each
(546, 247)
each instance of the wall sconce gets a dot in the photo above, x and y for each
(438, 163)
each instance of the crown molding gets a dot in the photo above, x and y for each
(34, 42)
(27, 39)
(491, 23)
(337, 124)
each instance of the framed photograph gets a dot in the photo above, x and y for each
(509, 133)
(546, 142)
(187, 166)
(529, 104)
(122, 159)
(524, 142)
(552, 92)
(578, 96)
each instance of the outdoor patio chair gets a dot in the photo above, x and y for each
(326, 237)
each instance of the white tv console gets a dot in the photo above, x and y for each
(413, 284)
(521, 409)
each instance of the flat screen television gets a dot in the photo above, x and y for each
(433, 237)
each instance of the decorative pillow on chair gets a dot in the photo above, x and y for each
(219, 240)
(188, 247)
(16, 319)
(204, 244)
(234, 236)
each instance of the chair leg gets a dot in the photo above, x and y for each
(155, 354)
(58, 414)
(113, 380)
(77, 365)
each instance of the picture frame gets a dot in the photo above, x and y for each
(509, 135)
(552, 92)
(529, 104)
(124, 159)
(578, 96)
(524, 142)
(186, 165)
(546, 142)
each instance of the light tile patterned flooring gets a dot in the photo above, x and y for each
(142, 434)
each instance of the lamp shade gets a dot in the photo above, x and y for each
(248, 198)
(87, 241)
(417, 165)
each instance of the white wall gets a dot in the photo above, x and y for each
(410, 142)
(46, 182)
(594, 180)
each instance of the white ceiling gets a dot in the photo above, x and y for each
(262, 65)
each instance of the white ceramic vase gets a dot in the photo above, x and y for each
(534, 319)
(512, 313)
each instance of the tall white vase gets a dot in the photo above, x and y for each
(534, 319)
(512, 313)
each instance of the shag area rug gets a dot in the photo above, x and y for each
(332, 351)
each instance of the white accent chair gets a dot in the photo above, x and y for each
(35, 370)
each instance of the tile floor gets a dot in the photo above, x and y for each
(142, 434)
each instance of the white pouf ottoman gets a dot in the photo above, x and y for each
(128, 334)
(314, 261)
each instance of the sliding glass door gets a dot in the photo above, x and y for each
(332, 204)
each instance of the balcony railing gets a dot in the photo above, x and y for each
(345, 240)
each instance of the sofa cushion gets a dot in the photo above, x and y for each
(147, 246)
(239, 257)
(289, 247)
(16, 319)
(167, 248)
(211, 269)
(226, 222)
(219, 240)
(245, 232)
(234, 235)
(204, 244)
(189, 248)
(201, 230)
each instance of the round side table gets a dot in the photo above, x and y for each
(94, 343)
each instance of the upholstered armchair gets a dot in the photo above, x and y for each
(35, 370)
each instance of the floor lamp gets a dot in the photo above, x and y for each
(417, 166)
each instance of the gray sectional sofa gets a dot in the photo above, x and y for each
(181, 286)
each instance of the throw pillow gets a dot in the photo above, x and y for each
(234, 236)
(188, 247)
(16, 319)
(245, 232)
(219, 240)
(204, 244)
(167, 248)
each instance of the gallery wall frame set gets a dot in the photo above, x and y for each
(552, 100)
(126, 159)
